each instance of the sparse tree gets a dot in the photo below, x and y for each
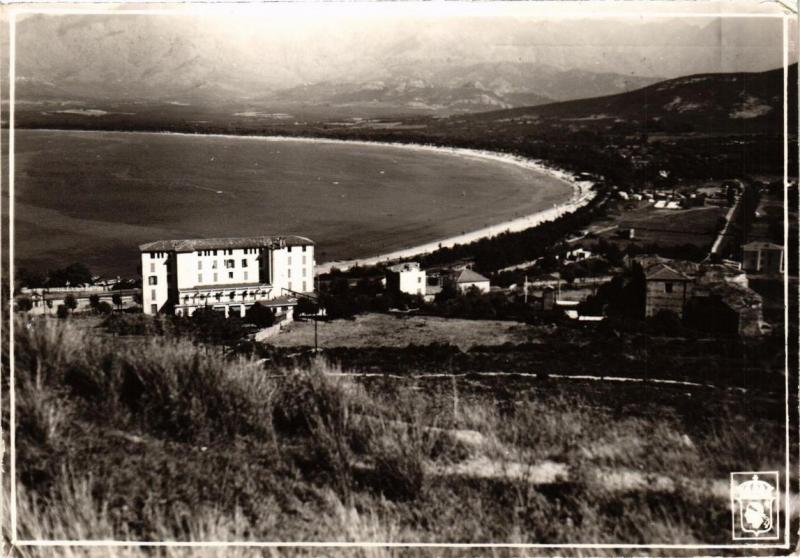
(62, 312)
(70, 303)
(116, 298)
(94, 301)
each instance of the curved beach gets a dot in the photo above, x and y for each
(582, 194)
(364, 202)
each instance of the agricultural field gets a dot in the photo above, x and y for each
(367, 330)
(234, 451)
(667, 227)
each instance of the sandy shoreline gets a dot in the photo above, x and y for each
(582, 190)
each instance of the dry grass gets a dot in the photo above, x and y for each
(161, 440)
(390, 331)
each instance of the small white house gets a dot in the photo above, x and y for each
(466, 279)
(578, 254)
(406, 278)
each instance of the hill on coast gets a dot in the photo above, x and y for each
(704, 103)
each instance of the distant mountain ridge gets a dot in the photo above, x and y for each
(473, 88)
(729, 102)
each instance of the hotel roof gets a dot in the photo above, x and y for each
(193, 244)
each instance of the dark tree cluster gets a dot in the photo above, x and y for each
(72, 275)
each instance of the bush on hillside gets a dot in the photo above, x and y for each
(259, 315)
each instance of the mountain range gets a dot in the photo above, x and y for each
(399, 65)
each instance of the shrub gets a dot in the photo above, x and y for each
(306, 306)
(70, 302)
(24, 304)
(259, 315)
(134, 324)
(62, 311)
(213, 327)
(104, 307)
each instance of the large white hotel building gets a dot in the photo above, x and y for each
(226, 274)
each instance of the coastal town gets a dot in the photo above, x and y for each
(729, 290)
(376, 279)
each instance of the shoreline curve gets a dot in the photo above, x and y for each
(582, 191)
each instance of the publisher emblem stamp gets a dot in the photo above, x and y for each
(754, 505)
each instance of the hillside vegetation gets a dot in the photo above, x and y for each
(157, 438)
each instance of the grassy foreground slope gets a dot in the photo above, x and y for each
(159, 439)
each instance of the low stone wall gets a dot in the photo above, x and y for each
(268, 332)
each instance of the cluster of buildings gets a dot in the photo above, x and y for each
(710, 297)
(46, 300)
(230, 275)
(411, 279)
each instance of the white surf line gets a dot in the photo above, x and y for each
(582, 189)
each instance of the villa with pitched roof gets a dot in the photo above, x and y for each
(226, 274)
(762, 257)
(466, 279)
(667, 289)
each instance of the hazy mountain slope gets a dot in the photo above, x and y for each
(737, 102)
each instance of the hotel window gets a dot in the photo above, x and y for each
(230, 275)
(304, 248)
(152, 267)
(152, 280)
(215, 277)
(230, 264)
(154, 308)
(289, 272)
(290, 286)
(244, 262)
(245, 276)
(304, 259)
(289, 260)
(152, 294)
(215, 252)
(199, 264)
(668, 287)
(214, 264)
(304, 286)
(199, 277)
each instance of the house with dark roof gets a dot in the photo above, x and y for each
(667, 289)
(710, 297)
(226, 274)
(725, 308)
(762, 257)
